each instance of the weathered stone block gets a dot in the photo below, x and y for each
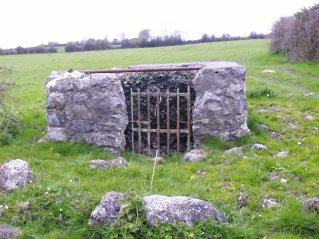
(87, 108)
(55, 118)
(56, 133)
(220, 106)
(56, 100)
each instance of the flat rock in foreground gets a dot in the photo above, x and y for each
(14, 174)
(172, 210)
(159, 209)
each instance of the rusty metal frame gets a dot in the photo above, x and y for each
(182, 68)
(169, 130)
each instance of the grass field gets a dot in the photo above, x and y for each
(65, 190)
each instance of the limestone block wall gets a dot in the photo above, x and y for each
(220, 108)
(92, 108)
(88, 108)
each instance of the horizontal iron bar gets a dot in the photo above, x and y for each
(188, 68)
(159, 94)
(172, 131)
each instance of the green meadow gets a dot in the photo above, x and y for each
(65, 190)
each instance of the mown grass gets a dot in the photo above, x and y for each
(65, 190)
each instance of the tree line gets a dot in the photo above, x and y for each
(29, 50)
(297, 35)
(144, 39)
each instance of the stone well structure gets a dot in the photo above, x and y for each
(92, 107)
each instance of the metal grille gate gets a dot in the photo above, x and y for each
(143, 126)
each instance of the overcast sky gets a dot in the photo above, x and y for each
(34, 22)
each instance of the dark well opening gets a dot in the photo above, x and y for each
(155, 125)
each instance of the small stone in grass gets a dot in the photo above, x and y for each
(268, 71)
(282, 154)
(201, 172)
(269, 203)
(195, 155)
(235, 150)
(309, 94)
(104, 164)
(311, 205)
(309, 118)
(259, 147)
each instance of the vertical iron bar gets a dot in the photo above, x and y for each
(178, 119)
(148, 123)
(167, 121)
(139, 119)
(188, 117)
(132, 119)
(158, 103)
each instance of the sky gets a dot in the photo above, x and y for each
(34, 22)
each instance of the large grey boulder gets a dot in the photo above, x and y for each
(14, 174)
(88, 108)
(220, 106)
(8, 232)
(172, 210)
(108, 210)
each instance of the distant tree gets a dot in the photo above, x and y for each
(116, 42)
(1, 51)
(89, 45)
(126, 43)
(156, 42)
(213, 38)
(21, 50)
(253, 35)
(39, 49)
(52, 50)
(205, 38)
(102, 44)
(178, 38)
(225, 37)
(142, 42)
(70, 47)
(145, 34)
